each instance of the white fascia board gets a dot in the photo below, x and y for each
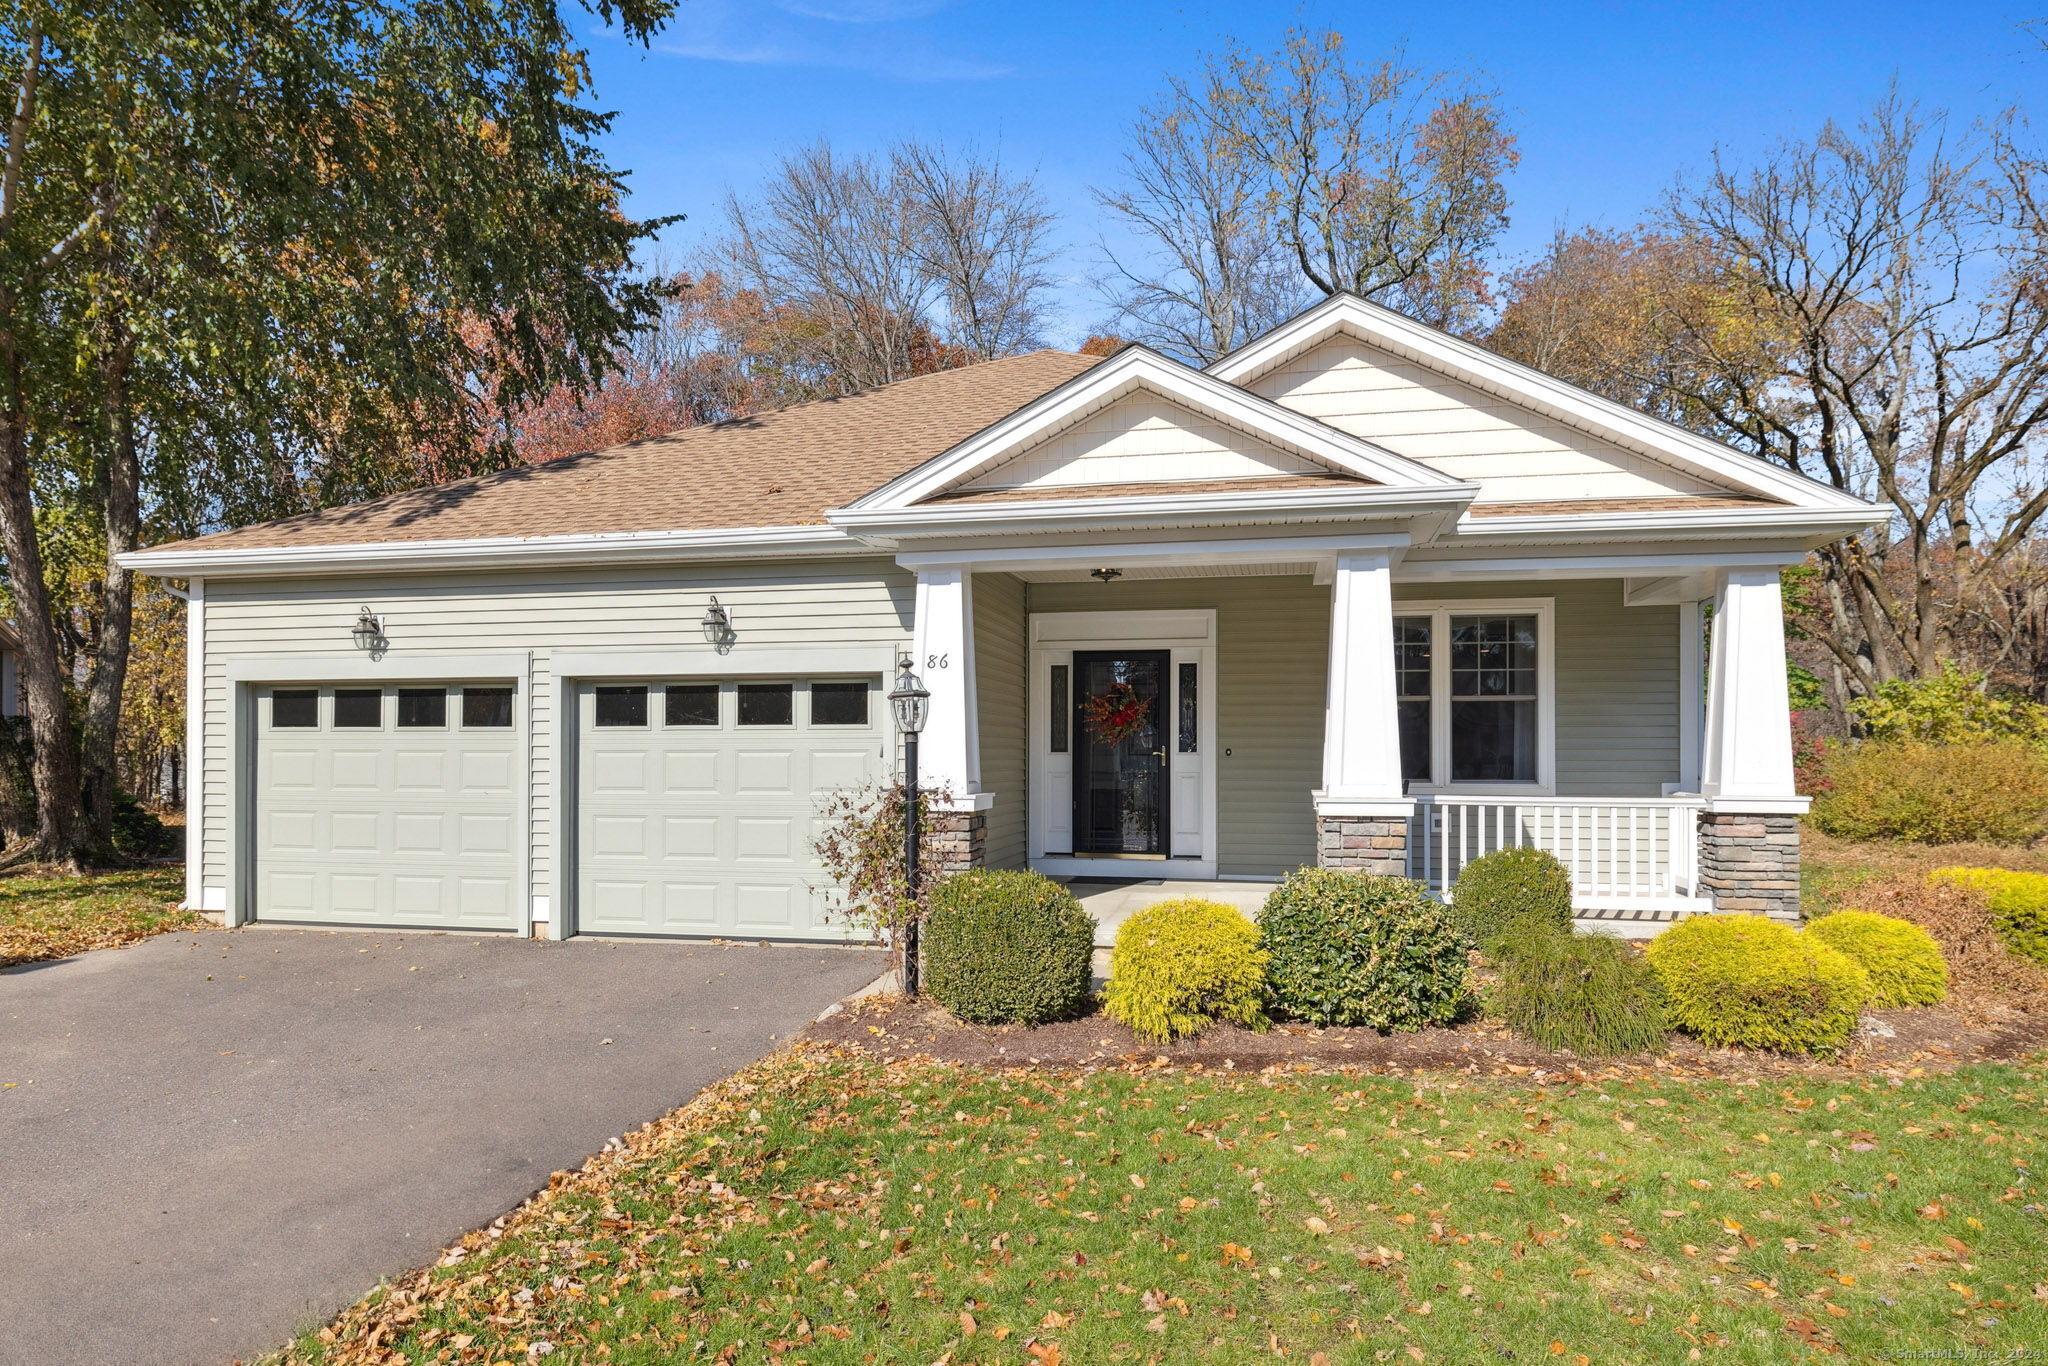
(1152, 510)
(495, 552)
(1148, 554)
(1636, 563)
(1139, 368)
(1485, 369)
(1814, 526)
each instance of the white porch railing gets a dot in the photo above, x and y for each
(1622, 852)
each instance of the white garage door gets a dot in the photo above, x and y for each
(388, 806)
(697, 802)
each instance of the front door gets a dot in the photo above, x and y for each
(1120, 728)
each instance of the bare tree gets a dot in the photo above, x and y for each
(1869, 308)
(1211, 276)
(1379, 179)
(984, 238)
(871, 269)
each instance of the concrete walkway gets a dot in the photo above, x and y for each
(215, 1140)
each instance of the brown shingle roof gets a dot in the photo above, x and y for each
(1255, 484)
(783, 468)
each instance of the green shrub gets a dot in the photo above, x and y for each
(1348, 948)
(1586, 992)
(1905, 964)
(1512, 896)
(2018, 903)
(1952, 707)
(1745, 981)
(138, 834)
(1181, 965)
(1005, 947)
(1991, 791)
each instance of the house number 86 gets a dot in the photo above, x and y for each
(936, 661)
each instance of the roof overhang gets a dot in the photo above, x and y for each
(1456, 358)
(1420, 514)
(1807, 527)
(497, 552)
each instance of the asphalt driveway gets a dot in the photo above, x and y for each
(211, 1141)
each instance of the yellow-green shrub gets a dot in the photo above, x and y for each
(1905, 964)
(1181, 965)
(1749, 982)
(1993, 791)
(2018, 903)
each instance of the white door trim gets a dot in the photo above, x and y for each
(1189, 636)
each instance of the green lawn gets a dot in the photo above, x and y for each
(55, 917)
(825, 1209)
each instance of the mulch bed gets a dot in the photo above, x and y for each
(893, 1028)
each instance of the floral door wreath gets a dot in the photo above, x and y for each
(1116, 714)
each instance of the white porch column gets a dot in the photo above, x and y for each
(1749, 832)
(1361, 811)
(949, 753)
(1748, 750)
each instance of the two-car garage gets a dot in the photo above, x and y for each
(694, 804)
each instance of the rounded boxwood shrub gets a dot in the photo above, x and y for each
(1748, 982)
(1589, 993)
(1005, 947)
(1181, 965)
(1349, 948)
(1511, 896)
(1905, 964)
(2018, 903)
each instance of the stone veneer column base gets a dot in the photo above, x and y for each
(959, 840)
(1371, 844)
(1750, 863)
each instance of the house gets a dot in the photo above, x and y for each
(1360, 593)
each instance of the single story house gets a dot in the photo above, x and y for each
(1361, 593)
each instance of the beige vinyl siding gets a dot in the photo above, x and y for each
(1001, 697)
(1272, 659)
(1516, 455)
(1617, 682)
(1143, 437)
(782, 604)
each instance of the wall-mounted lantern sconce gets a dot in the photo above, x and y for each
(717, 625)
(368, 632)
(1106, 575)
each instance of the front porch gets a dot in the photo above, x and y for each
(1352, 711)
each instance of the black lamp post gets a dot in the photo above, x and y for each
(910, 700)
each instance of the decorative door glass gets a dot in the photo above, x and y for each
(1120, 736)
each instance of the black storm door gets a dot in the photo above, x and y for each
(1121, 739)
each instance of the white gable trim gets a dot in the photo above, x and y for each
(1139, 368)
(1483, 369)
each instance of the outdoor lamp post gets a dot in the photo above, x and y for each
(910, 700)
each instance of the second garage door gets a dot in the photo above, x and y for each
(697, 802)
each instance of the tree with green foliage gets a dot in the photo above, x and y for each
(256, 259)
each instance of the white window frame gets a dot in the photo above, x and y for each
(1440, 611)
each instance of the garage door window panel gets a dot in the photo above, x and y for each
(691, 704)
(486, 708)
(767, 704)
(359, 708)
(422, 708)
(839, 704)
(295, 709)
(618, 707)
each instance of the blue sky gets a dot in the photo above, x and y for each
(1609, 100)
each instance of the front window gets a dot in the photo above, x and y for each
(1469, 690)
